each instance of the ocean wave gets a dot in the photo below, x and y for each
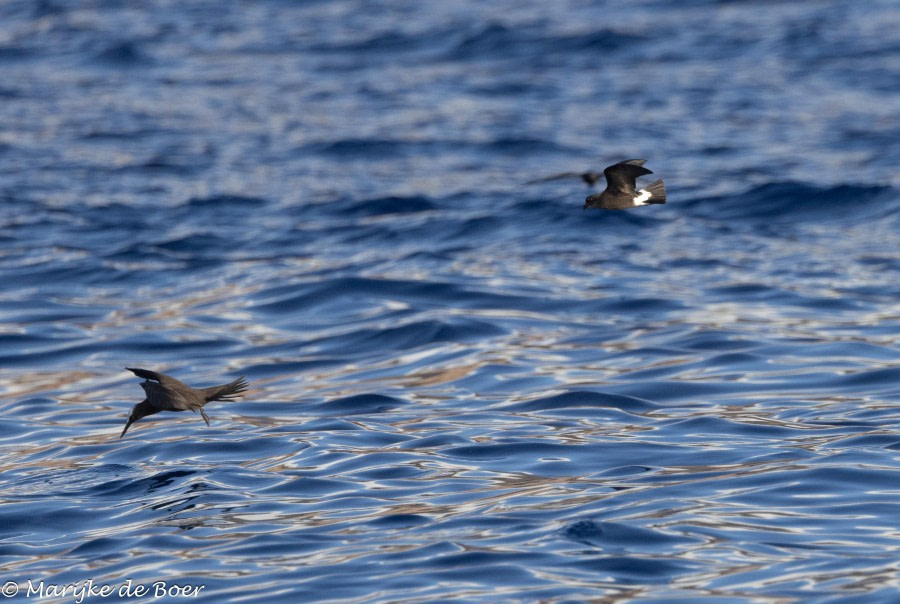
(785, 202)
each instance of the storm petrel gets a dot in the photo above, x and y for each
(620, 192)
(165, 393)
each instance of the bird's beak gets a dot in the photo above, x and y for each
(130, 421)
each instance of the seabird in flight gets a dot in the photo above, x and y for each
(165, 393)
(621, 191)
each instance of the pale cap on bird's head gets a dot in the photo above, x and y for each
(142, 409)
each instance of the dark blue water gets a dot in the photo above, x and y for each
(463, 388)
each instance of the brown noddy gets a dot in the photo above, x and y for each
(165, 393)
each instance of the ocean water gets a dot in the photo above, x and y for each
(463, 388)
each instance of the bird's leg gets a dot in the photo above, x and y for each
(203, 415)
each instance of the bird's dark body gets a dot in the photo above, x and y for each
(621, 192)
(165, 393)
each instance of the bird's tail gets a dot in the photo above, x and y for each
(225, 392)
(657, 192)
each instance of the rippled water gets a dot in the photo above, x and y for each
(463, 388)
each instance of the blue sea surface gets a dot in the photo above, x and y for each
(463, 387)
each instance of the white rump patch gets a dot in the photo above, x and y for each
(641, 200)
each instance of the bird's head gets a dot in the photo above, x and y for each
(137, 412)
(131, 420)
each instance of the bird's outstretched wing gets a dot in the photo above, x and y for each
(588, 177)
(147, 374)
(167, 392)
(621, 177)
(559, 176)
